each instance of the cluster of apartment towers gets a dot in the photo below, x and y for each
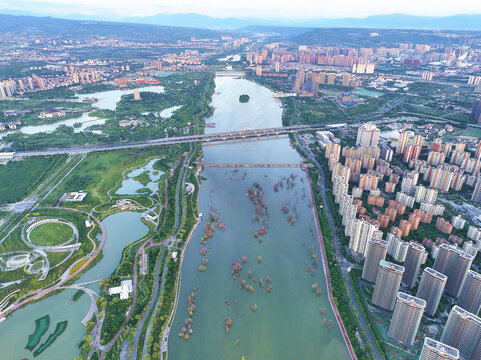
(451, 274)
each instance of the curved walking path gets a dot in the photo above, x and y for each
(93, 304)
(328, 278)
(66, 276)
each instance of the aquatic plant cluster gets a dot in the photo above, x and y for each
(312, 267)
(235, 173)
(291, 210)
(261, 216)
(246, 285)
(210, 227)
(289, 182)
(187, 330)
(212, 224)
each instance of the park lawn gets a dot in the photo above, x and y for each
(51, 234)
(100, 172)
(472, 132)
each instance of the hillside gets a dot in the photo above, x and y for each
(32, 26)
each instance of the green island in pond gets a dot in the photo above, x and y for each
(59, 329)
(41, 327)
(244, 98)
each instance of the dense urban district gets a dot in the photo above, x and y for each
(132, 157)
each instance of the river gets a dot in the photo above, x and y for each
(287, 323)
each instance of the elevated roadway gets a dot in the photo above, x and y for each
(220, 137)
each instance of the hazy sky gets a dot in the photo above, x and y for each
(252, 8)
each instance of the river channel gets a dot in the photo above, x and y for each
(291, 321)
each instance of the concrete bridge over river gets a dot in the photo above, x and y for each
(210, 139)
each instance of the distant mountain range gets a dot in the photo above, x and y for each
(392, 21)
(67, 28)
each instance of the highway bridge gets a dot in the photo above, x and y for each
(213, 138)
(230, 73)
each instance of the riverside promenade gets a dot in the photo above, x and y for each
(328, 278)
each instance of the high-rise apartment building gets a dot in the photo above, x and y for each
(478, 151)
(339, 187)
(458, 222)
(415, 257)
(463, 332)
(406, 318)
(368, 135)
(346, 79)
(476, 112)
(368, 182)
(403, 142)
(424, 194)
(435, 350)
(375, 252)
(470, 295)
(333, 150)
(435, 158)
(476, 197)
(431, 289)
(455, 264)
(387, 284)
(397, 247)
(474, 233)
(418, 140)
(359, 231)
(411, 152)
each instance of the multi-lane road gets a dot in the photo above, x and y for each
(220, 137)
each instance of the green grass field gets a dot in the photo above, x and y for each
(472, 132)
(51, 234)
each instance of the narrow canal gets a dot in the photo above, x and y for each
(287, 315)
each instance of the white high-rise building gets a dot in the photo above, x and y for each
(375, 252)
(339, 187)
(359, 232)
(388, 280)
(470, 295)
(463, 332)
(470, 248)
(405, 199)
(455, 264)
(435, 350)
(368, 135)
(415, 257)
(397, 247)
(424, 194)
(431, 289)
(406, 318)
(474, 233)
(458, 222)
